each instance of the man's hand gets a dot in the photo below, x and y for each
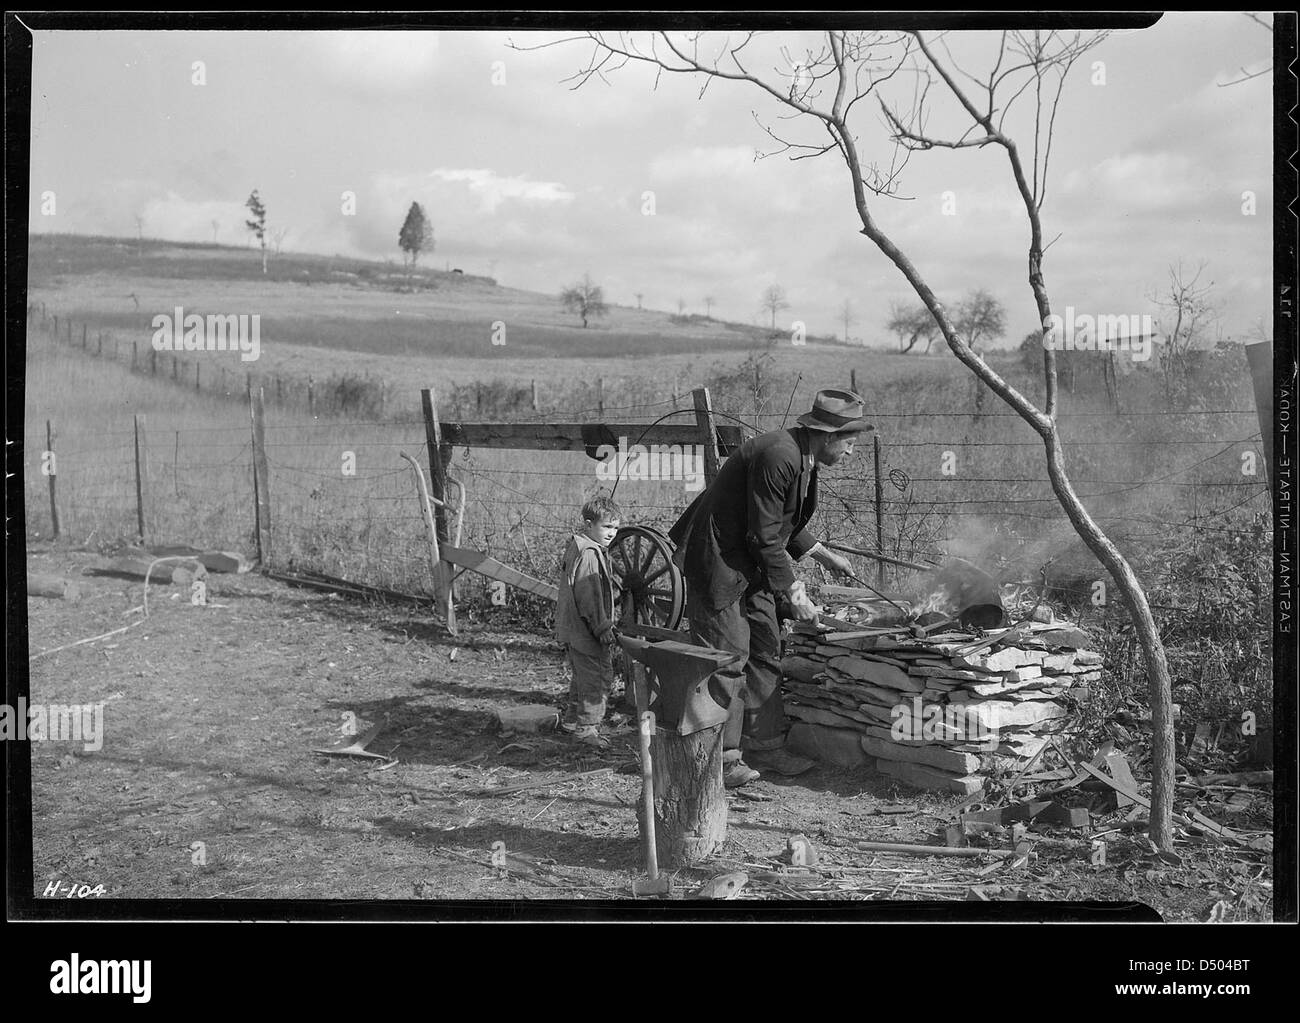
(801, 607)
(610, 637)
(831, 561)
(838, 565)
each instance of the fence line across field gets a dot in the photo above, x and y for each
(292, 490)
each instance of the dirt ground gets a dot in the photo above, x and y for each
(206, 785)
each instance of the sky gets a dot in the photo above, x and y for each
(654, 189)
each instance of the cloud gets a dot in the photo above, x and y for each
(1149, 182)
(492, 189)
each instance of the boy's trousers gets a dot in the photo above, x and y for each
(593, 681)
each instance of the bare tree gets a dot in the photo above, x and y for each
(586, 299)
(981, 317)
(1187, 304)
(638, 299)
(709, 300)
(278, 234)
(774, 301)
(847, 317)
(681, 306)
(822, 89)
(139, 233)
(912, 324)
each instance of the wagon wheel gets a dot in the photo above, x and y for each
(652, 586)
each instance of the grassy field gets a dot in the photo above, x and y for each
(963, 475)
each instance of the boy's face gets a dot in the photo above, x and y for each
(602, 530)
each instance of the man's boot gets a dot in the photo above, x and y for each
(780, 761)
(735, 772)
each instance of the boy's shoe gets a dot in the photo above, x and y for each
(586, 735)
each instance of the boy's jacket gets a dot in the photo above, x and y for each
(586, 608)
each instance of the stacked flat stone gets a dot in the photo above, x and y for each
(941, 712)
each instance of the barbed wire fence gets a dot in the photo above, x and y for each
(343, 502)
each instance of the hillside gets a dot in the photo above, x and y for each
(332, 302)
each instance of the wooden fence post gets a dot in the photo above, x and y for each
(439, 456)
(261, 475)
(153, 361)
(49, 448)
(279, 390)
(135, 353)
(853, 380)
(880, 510)
(141, 478)
(197, 386)
(311, 396)
(708, 435)
(535, 402)
(175, 365)
(99, 348)
(600, 396)
(54, 326)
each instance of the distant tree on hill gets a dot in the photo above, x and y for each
(258, 224)
(708, 306)
(847, 317)
(774, 301)
(216, 226)
(981, 317)
(585, 298)
(912, 324)
(278, 235)
(416, 235)
(681, 306)
(638, 299)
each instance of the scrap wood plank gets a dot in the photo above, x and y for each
(493, 569)
(1042, 811)
(1192, 815)
(1119, 770)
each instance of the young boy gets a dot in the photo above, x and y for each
(585, 620)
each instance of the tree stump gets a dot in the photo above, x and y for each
(690, 801)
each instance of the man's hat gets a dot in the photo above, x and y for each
(836, 412)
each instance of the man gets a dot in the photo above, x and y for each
(737, 543)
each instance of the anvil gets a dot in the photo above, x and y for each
(684, 694)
